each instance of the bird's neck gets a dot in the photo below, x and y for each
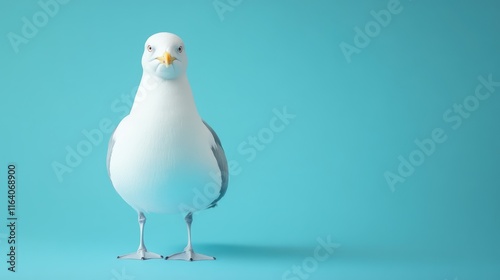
(156, 95)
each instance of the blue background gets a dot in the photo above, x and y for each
(323, 175)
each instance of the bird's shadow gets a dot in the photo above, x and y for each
(296, 252)
(240, 251)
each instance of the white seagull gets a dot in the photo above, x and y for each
(163, 157)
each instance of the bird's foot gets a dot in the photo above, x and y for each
(190, 255)
(141, 254)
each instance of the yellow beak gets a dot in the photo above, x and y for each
(166, 58)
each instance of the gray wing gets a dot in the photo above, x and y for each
(220, 156)
(111, 144)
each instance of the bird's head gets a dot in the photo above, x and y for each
(164, 56)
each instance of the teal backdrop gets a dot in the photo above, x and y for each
(363, 137)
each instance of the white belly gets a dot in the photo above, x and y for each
(164, 164)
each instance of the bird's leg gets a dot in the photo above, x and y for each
(188, 254)
(142, 253)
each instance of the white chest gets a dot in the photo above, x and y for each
(162, 161)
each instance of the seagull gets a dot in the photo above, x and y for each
(163, 157)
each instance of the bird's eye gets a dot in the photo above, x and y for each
(149, 48)
(180, 49)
